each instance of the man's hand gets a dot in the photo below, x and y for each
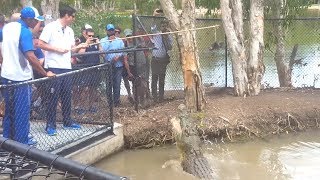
(50, 74)
(82, 46)
(61, 51)
(130, 75)
(116, 58)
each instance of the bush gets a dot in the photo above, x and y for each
(99, 20)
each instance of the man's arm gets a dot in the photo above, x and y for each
(33, 60)
(47, 47)
(126, 65)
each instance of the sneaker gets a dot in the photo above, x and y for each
(32, 142)
(72, 126)
(51, 131)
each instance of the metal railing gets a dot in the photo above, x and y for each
(65, 102)
(20, 161)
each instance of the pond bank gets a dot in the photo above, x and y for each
(226, 118)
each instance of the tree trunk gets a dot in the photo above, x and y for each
(50, 9)
(25, 3)
(255, 63)
(232, 18)
(283, 69)
(193, 87)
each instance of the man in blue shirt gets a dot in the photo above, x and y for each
(18, 57)
(118, 60)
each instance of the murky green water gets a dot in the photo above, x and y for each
(288, 157)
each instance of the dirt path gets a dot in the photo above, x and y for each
(226, 117)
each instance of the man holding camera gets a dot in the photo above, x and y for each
(91, 82)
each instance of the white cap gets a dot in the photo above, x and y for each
(87, 26)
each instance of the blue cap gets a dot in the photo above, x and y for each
(31, 12)
(110, 27)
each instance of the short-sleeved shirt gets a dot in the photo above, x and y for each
(17, 40)
(1, 35)
(112, 45)
(61, 37)
(160, 51)
(38, 53)
(92, 58)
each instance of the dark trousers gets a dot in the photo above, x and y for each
(16, 123)
(59, 88)
(116, 84)
(158, 68)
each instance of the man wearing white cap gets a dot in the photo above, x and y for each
(18, 61)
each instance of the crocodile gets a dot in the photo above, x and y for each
(189, 145)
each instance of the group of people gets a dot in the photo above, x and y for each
(22, 45)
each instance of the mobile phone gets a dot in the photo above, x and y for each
(159, 11)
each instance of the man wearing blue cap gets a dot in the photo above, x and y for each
(18, 61)
(118, 60)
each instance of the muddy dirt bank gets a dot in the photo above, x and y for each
(226, 118)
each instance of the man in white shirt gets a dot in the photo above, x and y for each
(57, 39)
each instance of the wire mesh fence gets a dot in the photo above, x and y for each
(49, 113)
(20, 161)
(215, 62)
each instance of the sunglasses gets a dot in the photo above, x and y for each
(90, 35)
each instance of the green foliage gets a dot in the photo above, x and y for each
(99, 20)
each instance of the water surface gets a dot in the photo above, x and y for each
(288, 157)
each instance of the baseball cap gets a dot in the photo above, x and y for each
(31, 12)
(87, 26)
(127, 32)
(110, 27)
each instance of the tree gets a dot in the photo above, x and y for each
(255, 63)
(247, 70)
(25, 3)
(193, 87)
(283, 12)
(232, 18)
(50, 9)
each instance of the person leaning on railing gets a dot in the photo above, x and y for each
(85, 100)
(118, 60)
(18, 57)
(160, 58)
(57, 39)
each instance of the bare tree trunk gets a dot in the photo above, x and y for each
(232, 18)
(25, 3)
(193, 87)
(255, 63)
(135, 7)
(50, 9)
(284, 71)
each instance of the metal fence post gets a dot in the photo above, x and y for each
(226, 60)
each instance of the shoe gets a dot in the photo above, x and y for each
(72, 126)
(51, 131)
(32, 142)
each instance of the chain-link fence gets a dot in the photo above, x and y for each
(20, 161)
(215, 62)
(50, 113)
